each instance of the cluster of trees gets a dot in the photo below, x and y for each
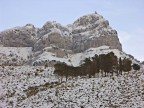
(103, 64)
(136, 67)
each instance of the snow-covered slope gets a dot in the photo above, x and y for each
(77, 59)
(14, 55)
(37, 87)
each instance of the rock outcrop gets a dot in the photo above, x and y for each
(53, 34)
(24, 36)
(88, 31)
(93, 31)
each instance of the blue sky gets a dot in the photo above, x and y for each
(126, 16)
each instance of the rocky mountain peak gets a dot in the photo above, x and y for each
(53, 25)
(88, 31)
(30, 26)
(93, 30)
(24, 36)
(88, 19)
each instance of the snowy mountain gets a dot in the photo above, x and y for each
(28, 55)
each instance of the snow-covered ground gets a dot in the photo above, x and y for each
(14, 55)
(77, 59)
(19, 51)
(22, 55)
(37, 87)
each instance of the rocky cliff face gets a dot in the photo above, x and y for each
(24, 36)
(88, 31)
(93, 31)
(53, 34)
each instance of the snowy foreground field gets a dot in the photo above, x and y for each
(37, 87)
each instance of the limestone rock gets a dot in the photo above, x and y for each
(93, 31)
(53, 34)
(24, 36)
(88, 31)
